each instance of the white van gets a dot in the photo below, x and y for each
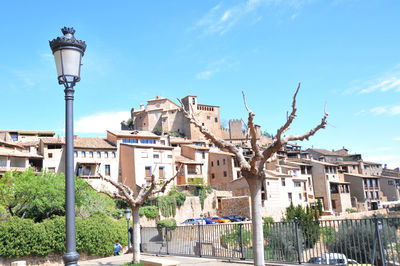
(330, 259)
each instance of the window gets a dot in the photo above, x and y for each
(374, 183)
(75, 154)
(90, 154)
(202, 124)
(223, 161)
(156, 156)
(208, 117)
(390, 182)
(106, 154)
(299, 196)
(98, 154)
(289, 196)
(377, 194)
(297, 184)
(113, 154)
(107, 169)
(371, 194)
(217, 162)
(83, 154)
(162, 142)
(147, 141)
(161, 172)
(14, 137)
(193, 101)
(52, 169)
(366, 195)
(212, 164)
(169, 156)
(212, 176)
(283, 182)
(225, 174)
(216, 120)
(50, 155)
(147, 171)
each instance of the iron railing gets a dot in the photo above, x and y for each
(372, 241)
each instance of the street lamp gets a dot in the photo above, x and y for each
(68, 52)
(128, 216)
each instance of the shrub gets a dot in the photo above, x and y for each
(167, 206)
(195, 180)
(351, 210)
(328, 235)
(180, 197)
(94, 236)
(150, 212)
(167, 223)
(232, 236)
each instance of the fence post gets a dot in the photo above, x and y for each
(296, 225)
(378, 228)
(166, 235)
(199, 240)
(241, 240)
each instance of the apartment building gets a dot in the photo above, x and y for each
(192, 160)
(223, 168)
(139, 162)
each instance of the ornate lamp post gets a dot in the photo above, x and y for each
(68, 52)
(128, 216)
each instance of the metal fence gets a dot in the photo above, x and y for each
(372, 241)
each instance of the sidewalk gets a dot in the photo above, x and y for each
(185, 261)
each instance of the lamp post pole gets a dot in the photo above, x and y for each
(68, 52)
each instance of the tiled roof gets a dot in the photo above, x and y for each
(196, 147)
(133, 133)
(28, 143)
(12, 144)
(83, 142)
(30, 132)
(14, 153)
(326, 152)
(185, 160)
(153, 146)
(93, 143)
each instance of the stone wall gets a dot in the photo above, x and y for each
(235, 205)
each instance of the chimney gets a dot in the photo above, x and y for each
(75, 137)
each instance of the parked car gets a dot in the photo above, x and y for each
(220, 220)
(193, 221)
(231, 218)
(240, 217)
(330, 259)
(200, 221)
(209, 221)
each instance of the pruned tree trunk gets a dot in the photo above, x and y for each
(253, 168)
(135, 201)
(136, 235)
(256, 220)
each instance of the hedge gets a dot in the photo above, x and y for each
(150, 212)
(94, 236)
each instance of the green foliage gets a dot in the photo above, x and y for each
(282, 241)
(266, 134)
(39, 197)
(158, 130)
(364, 232)
(180, 197)
(167, 223)
(231, 236)
(95, 236)
(328, 235)
(308, 223)
(268, 221)
(195, 180)
(150, 212)
(319, 208)
(129, 123)
(176, 134)
(167, 206)
(351, 210)
(202, 191)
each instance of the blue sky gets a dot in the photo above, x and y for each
(344, 52)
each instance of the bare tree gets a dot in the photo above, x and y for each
(253, 169)
(135, 201)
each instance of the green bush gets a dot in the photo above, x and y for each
(150, 212)
(350, 210)
(94, 236)
(180, 197)
(232, 236)
(268, 221)
(195, 180)
(167, 223)
(167, 206)
(328, 235)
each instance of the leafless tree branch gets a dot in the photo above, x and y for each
(238, 151)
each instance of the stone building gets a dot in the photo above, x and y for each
(223, 169)
(163, 114)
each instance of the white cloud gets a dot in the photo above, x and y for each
(217, 66)
(392, 160)
(398, 138)
(204, 74)
(388, 110)
(219, 20)
(383, 85)
(100, 122)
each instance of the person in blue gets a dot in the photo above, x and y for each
(117, 248)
